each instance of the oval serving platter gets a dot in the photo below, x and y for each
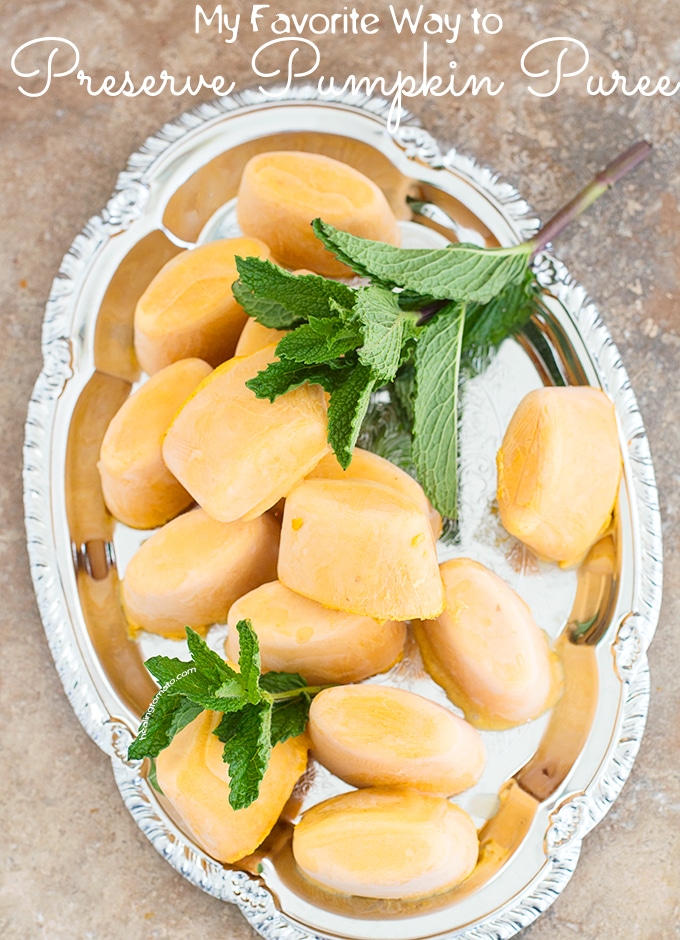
(547, 783)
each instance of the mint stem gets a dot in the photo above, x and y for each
(426, 313)
(294, 693)
(603, 182)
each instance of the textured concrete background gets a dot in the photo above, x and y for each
(73, 862)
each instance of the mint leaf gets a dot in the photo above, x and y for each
(386, 328)
(267, 312)
(166, 715)
(319, 340)
(208, 663)
(462, 272)
(152, 778)
(299, 294)
(289, 715)
(283, 376)
(184, 714)
(348, 405)
(274, 682)
(435, 442)
(164, 669)
(249, 661)
(229, 696)
(289, 718)
(487, 325)
(246, 736)
(206, 681)
(193, 685)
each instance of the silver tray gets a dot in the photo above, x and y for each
(560, 774)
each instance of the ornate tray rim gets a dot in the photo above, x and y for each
(577, 814)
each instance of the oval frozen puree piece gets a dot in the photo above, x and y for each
(360, 546)
(238, 454)
(486, 650)
(558, 471)
(373, 735)
(386, 843)
(189, 309)
(195, 780)
(299, 635)
(192, 570)
(138, 488)
(368, 466)
(281, 192)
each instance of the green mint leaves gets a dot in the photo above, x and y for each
(386, 331)
(459, 272)
(427, 318)
(281, 300)
(347, 410)
(258, 711)
(435, 412)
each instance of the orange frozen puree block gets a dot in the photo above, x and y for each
(254, 337)
(195, 779)
(486, 650)
(191, 571)
(368, 466)
(237, 454)
(281, 193)
(189, 309)
(298, 635)
(373, 735)
(386, 843)
(558, 471)
(138, 488)
(360, 546)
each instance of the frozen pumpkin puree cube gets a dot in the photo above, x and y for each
(374, 735)
(191, 571)
(189, 309)
(368, 466)
(558, 471)
(487, 651)
(281, 192)
(386, 843)
(299, 635)
(238, 454)
(360, 546)
(138, 488)
(195, 779)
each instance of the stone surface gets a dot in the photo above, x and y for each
(73, 862)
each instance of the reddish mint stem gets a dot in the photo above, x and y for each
(604, 181)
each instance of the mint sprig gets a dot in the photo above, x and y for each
(433, 316)
(354, 342)
(258, 710)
